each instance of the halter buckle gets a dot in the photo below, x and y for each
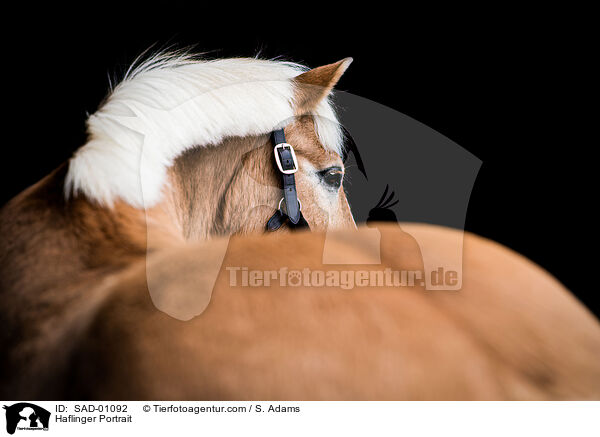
(278, 159)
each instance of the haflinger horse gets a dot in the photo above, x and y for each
(107, 264)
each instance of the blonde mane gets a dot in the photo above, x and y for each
(171, 103)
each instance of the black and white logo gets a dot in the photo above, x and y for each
(27, 417)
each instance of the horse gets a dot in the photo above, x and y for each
(116, 269)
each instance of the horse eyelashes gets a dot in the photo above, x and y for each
(332, 177)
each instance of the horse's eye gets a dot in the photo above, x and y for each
(332, 177)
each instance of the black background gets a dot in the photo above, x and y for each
(508, 86)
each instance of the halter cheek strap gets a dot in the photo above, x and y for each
(287, 165)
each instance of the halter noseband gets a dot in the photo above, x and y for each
(287, 164)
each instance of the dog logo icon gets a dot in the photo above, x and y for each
(26, 416)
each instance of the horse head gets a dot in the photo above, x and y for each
(198, 156)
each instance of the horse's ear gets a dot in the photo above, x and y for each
(314, 85)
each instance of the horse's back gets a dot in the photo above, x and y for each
(511, 332)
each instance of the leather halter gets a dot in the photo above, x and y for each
(287, 165)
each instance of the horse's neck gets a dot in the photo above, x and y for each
(45, 238)
(211, 188)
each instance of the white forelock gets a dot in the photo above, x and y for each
(173, 103)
